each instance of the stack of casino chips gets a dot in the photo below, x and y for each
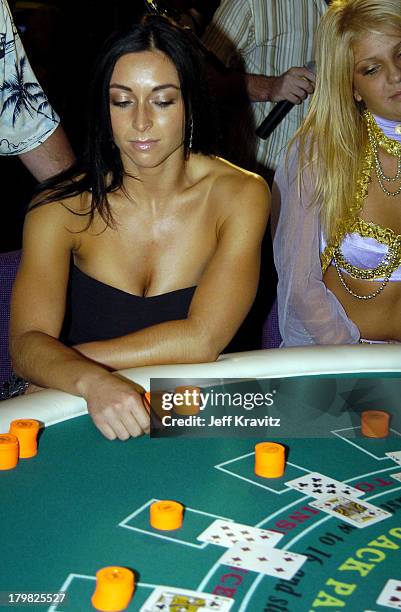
(19, 443)
(375, 423)
(269, 460)
(114, 589)
(166, 515)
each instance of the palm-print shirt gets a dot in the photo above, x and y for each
(26, 117)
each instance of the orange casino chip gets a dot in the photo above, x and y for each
(189, 403)
(269, 459)
(114, 589)
(26, 431)
(375, 423)
(153, 403)
(166, 515)
(146, 400)
(8, 451)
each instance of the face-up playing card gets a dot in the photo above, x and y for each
(391, 595)
(170, 599)
(318, 485)
(357, 512)
(227, 533)
(264, 560)
(395, 456)
(397, 476)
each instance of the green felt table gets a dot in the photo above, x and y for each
(83, 503)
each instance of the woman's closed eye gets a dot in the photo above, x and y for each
(159, 103)
(371, 70)
(164, 103)
(120, 103)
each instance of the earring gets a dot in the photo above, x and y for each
(191, 133)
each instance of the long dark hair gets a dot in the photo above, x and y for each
(101, 170)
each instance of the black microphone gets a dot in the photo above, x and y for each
(277, 114)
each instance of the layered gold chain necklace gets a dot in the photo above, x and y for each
(378, 139)
(392, 260)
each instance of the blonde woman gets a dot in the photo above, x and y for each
(337, 197)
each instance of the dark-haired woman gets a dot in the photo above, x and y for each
(149, 252)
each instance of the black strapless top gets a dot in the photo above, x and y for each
(96, 311)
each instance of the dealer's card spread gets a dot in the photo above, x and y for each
(357, 512)
(228, 533)
(171, 599)
(318, 485)
(391, 595)
(395, 456)
(264, 560)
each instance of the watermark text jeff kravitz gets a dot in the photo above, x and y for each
(210, 399)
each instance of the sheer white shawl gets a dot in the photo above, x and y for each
(309, 313)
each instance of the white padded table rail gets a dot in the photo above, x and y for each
(51, 406)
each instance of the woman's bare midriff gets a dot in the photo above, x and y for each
(378, 318)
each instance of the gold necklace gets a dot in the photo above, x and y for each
(392, 260)
(378, 139)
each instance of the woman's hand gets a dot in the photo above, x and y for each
(117, 408)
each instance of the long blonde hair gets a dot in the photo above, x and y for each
(332, 138)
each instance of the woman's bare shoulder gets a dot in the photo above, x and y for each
(46, 204)
(67, 218)
(225, 174)
(237, 186)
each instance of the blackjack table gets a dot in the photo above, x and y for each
(83, 502)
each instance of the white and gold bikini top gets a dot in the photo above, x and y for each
(367, 251)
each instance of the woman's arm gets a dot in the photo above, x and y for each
(220, 303)
(309, 313)
(37, 313)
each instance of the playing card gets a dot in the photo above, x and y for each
(395, 456)
(264, 560)
(318, 486)
(391, 595)
(357, 512)
(397, 476)
(228, 533)
(171, 599)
